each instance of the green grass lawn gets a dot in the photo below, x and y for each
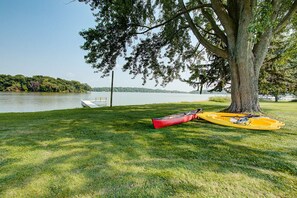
(117, 153)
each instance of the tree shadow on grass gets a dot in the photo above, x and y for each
(118, 153)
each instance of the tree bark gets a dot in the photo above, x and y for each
(244, 70)
(244, 87)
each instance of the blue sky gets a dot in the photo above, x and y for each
(41, 37)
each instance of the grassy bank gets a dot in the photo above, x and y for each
(117, 153)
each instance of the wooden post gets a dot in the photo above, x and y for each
(111, 88)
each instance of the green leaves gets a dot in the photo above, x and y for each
(40, 84)
(149, 37)
(215, 75)
(278, 74)
(154, 39)
(262, 19)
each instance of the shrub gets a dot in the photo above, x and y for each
(220, 99)
(264, 100)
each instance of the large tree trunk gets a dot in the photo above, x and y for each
(245, 62)
(244, 87)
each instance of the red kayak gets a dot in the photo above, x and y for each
(175, 119)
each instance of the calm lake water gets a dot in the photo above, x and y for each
(31, 102)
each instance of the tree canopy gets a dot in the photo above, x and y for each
(278, 74)
(160, 39)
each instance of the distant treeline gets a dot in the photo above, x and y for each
(134, 89)
(20, 83)
(137, 89)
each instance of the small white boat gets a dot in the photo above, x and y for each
(98, 102)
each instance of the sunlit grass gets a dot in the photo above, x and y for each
(117, 153)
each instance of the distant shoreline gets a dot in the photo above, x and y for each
(148, 90)
(117, 91)
(39, 83)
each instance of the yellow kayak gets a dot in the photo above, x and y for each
(242, 120)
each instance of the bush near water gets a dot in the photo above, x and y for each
(220, 99)
(40, 83)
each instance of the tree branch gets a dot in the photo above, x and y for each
(171, 19)
(207, 32)
(286, 18)
(215, 27)
(261, 47)
(220, 52)
(243, 34)
(260, 50)
(224, 18)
